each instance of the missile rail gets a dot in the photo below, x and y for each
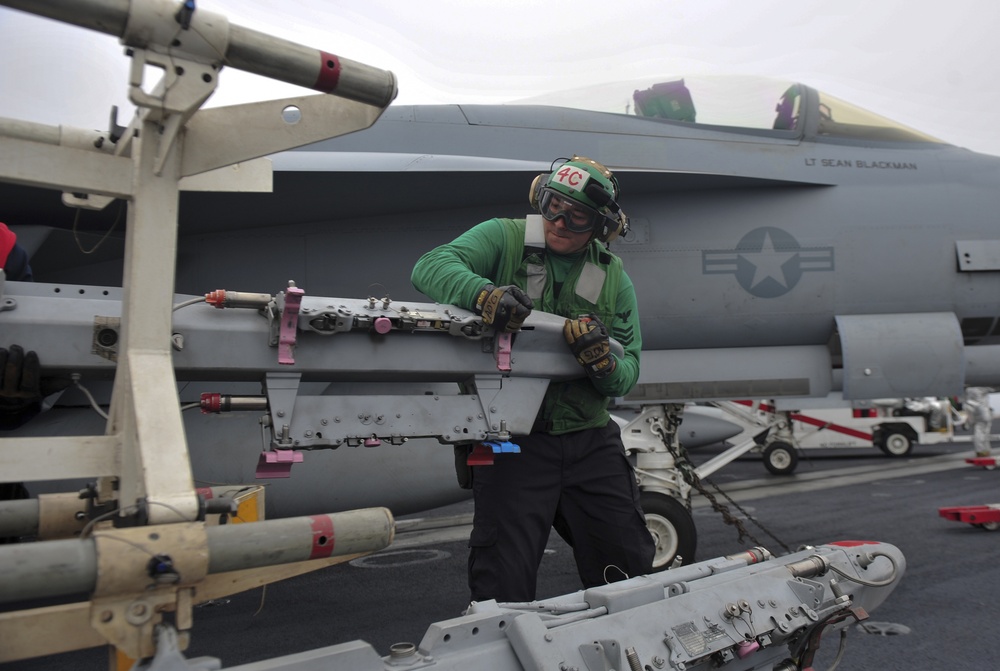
(741, 612)
(288, 339)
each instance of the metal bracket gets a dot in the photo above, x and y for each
(603, 655)
(291, 301)
(503, 352)
(128, 601)
(282, 389)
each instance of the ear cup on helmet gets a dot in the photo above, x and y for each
(606, 234)
(613, 227)
(535, 192)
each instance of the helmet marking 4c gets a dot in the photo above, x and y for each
(583, 193)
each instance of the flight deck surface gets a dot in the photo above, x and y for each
(949, 592)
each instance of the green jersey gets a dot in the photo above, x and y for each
(589, 281)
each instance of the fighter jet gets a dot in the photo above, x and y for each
(783, 243)
(350, 219)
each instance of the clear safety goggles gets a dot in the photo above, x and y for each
(577, 217)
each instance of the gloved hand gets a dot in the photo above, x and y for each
(589, 341)
(20, 385)
(503, 308)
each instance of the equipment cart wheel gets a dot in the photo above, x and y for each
(672, 528)
(780, 458)
(895, 442)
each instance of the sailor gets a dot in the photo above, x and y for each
(20, 393)
(572, 472)
(977, 405)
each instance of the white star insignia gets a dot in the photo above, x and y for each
(768, 263)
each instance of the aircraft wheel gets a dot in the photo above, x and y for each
(896, 444)
(780, 458)
(990, 526)
(672, 528)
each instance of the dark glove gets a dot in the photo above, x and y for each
(589, 341)
(20, 385)
(503, 308)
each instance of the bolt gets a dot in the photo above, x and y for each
(309, 434)
(106, 616)
(324, 422)
(139, 609)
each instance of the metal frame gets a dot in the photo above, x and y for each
(144, 449)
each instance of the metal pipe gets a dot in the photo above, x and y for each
(105, 16)
(69, 567)
(809, 567)
(50, 568)
(246, 49)
(235, 547)
(18, 518)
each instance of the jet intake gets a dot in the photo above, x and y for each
(900, 355)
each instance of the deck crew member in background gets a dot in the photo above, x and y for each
(13, 257)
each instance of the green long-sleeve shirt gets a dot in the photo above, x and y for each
(455, 273)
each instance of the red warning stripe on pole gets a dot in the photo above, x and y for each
(322, 528)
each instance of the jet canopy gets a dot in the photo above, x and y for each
(755, 103)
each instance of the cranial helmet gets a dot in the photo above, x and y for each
(584, 193)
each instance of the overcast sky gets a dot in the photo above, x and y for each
(934, 66)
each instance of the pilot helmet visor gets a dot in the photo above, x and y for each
(577, 217)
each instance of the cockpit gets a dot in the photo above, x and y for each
(754, 103)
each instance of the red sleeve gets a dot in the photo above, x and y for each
(7, 240)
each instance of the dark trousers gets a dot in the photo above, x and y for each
(580, 483)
